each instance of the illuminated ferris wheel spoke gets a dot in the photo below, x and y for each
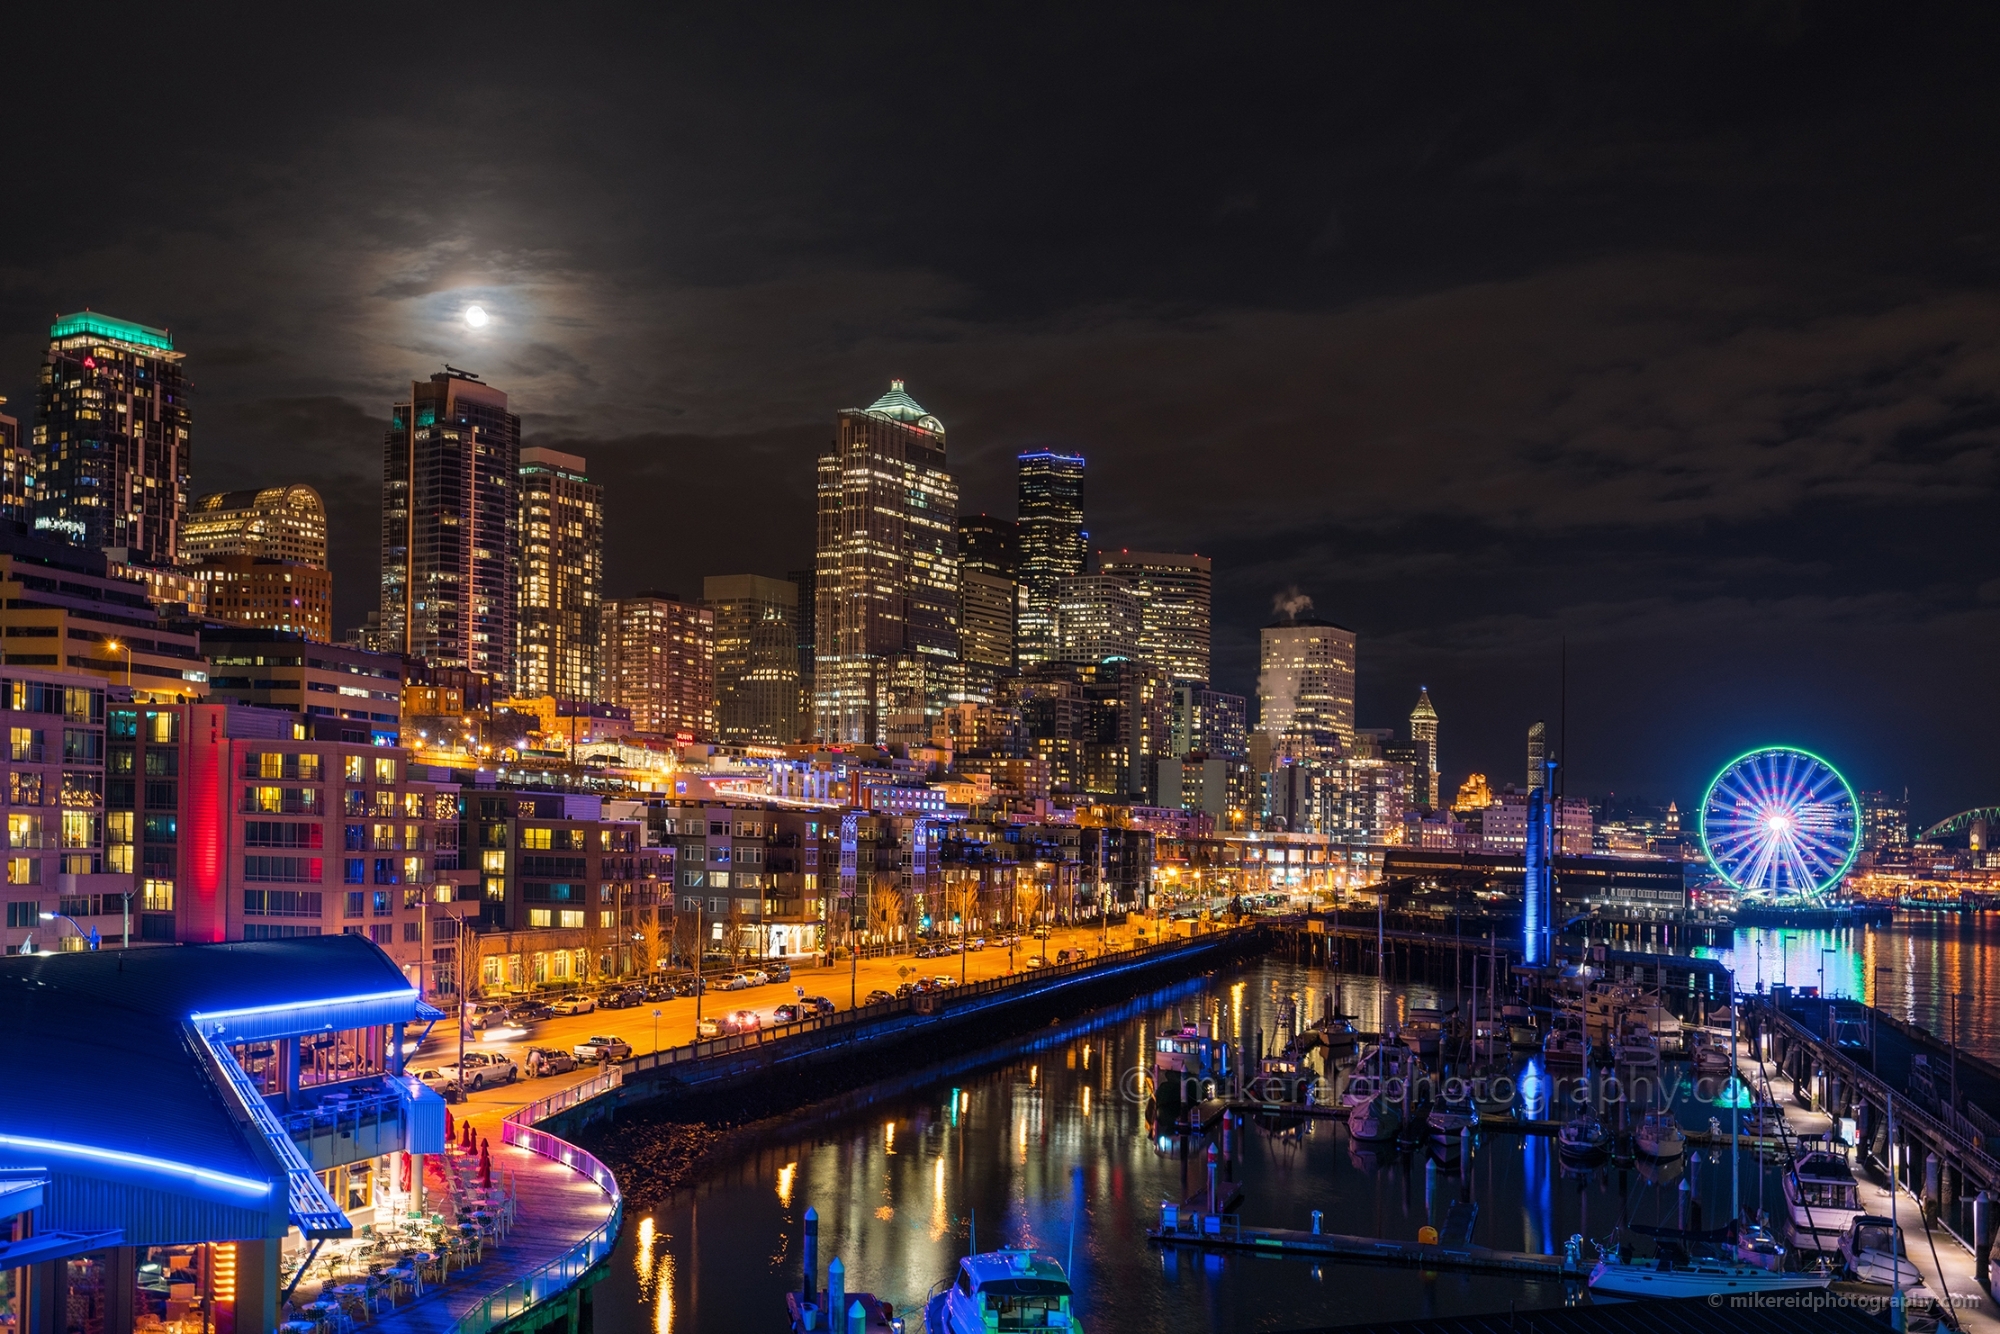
(1780, 820)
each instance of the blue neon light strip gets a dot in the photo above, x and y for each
(164, 1167)
(307, 1202)
(404, 993)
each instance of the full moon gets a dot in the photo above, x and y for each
(475, 316)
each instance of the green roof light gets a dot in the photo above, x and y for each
(105, 326)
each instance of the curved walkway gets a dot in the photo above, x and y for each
(567, 1214)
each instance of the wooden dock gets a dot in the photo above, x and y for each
(1223, 1232)
(1207, 1114)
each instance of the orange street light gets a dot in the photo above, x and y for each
(126, 649)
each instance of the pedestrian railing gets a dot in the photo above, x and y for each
(560, 1273)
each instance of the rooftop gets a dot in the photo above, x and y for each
(107, 326)
(899, 406)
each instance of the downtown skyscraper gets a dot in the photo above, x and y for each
(450, 479)
(1174, 612)
(1305, 680)
(561, 535)
(1049, 515)
(111, 439)
(886, 576)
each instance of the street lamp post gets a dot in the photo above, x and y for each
(89, 937)
(126, 649)
(656, 1030)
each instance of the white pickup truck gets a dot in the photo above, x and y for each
(592, 1050)
(482, 1069)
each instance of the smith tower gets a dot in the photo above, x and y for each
(450, 479)
(886, 661)
(112, 438)
(1050, 519)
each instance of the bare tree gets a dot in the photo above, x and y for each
(886, 905)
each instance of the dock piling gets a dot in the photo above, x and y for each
(811, 1291)
(836, 1290)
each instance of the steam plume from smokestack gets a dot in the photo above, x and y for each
(1291, 604)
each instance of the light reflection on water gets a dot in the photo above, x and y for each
(1909, 968)
(900, 1184)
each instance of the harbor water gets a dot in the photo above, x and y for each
(901, 1182)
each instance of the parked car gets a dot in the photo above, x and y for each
(758, 977)
(484, 1015)
(736, 982)
(573, 1004)
(529, 1012)
(788, 1014)
(482, 1069)
(620, 1000)
(876, 997)
(976, 944)
(1037, 961)
(592, 1050)
(708, 1027)
(780, 972)
(549, 1061)
(817, 1005)
(693, 986)
(438, 1082)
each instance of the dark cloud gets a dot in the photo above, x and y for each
(1671, 332)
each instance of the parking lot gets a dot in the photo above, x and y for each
(671, 1023)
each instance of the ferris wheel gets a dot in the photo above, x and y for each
(1781, 821)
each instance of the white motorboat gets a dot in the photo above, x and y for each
(1660, 1136)
(1712, 1058)
(1636, 1046)
(1583, 1140)
(1874, 1250)
(1008, 1290)
(1822, 1200)
(1695, 1278)
(1375, 1121)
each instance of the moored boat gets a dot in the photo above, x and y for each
(1660, 1136)
(1375, 1121)
(1011, 1289)
(1695, 1278)
(1583, 1140)
(1822, 1199)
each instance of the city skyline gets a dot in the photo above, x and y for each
(1335, 375)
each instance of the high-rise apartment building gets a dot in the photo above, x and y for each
(659, 663)
(1305, 680)
(450, 474)
(17, 473)
(1209, 721)
(1052, 544)
(1424, 737)
(756, 657)
(1173, 607)
(1099, 619)
(886, 660)
(112, 438)
(561, 537)
(276, 523)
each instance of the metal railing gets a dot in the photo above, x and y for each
(559, 1274)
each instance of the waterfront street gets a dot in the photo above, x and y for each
(842, 983)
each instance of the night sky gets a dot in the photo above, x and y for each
(1671, 330)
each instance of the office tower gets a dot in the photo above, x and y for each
(277, 523)
(17, 473)
(988, 601)
(1305, 680)
(990, 545)
(756, 658)
(1127, 727)
(561, 580)
(1098, 619)
(886, 654)
(1885, 821)
(659, 663)
(1537, 753)
(1173, 608)
(268, 595)
(1209, 721)
(343, 694)
(111, 443)
(1424, 737)
(450, 473)
(1050, 519)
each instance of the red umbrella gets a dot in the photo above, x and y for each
(406, 1174)
(485, 1165)
(450, 1127)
